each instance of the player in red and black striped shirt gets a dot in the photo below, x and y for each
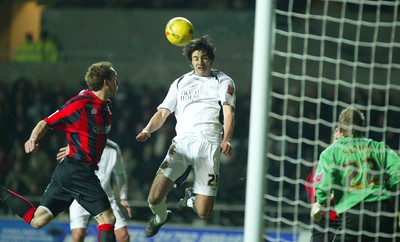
(86, 120)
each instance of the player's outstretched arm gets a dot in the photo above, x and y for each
(37, 133)
(316, 211)
(154, 124)
(126, 205)
(143, 136)
(229, 124)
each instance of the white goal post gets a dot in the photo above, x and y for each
(325, 56)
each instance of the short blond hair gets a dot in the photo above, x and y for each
(97, 73)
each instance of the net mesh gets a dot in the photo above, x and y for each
(327, 55)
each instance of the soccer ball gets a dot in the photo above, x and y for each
(179, 31)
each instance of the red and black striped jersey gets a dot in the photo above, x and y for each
(86, 119)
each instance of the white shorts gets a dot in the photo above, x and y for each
(202, 155)
(79, 217)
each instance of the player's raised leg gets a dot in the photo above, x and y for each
(201, 204)
(78, 234)
(157, 204)
(106, 221)
(22, 207)
(122, 234)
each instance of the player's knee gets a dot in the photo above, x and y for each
(204, 206)
(204, 216)
(151, 200)
(111, 219)
(122, 234)
(106, 218)
(204, 213)
(155, 200)
(124, 238)
(41, 217)
(78, 235)
(37, 224)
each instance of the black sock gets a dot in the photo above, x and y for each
(18, 204)
(106, 233)
(4, 194)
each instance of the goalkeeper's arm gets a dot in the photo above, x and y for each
(316, 211)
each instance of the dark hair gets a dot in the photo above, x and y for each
(351, 121)
(97, 73)
(204, 43)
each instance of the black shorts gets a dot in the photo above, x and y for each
(324, 230)
(358, 225)
(75, 180)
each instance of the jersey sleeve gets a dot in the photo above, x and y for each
(323, 177)
(393, 167)
(309, 186)
(120, 173)
(227, 91)
(119, 167)
(66, 117)
(170, 100)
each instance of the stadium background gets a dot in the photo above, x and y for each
(130, 33)
(132, 37)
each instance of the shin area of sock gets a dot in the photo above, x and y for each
(106, 233)
(20, 205)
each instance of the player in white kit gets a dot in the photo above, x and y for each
(111, 167)
(203, 101)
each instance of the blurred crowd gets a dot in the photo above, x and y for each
(26, 101)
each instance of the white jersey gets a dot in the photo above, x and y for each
(197, 102)
(111, 165)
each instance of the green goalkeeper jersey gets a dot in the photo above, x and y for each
(355, 170)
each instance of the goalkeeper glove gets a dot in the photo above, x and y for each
(316, 212)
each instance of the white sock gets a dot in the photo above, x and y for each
(190, 202)
(160, 210)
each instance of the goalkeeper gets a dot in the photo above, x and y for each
(362, 174)
(325, 229)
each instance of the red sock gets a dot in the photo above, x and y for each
(29, 215)
(106, 233)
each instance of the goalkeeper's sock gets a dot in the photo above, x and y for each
(18, 204)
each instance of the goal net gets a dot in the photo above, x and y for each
(327, 55)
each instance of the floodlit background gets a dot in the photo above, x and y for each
(131, 35)
(325, 55)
